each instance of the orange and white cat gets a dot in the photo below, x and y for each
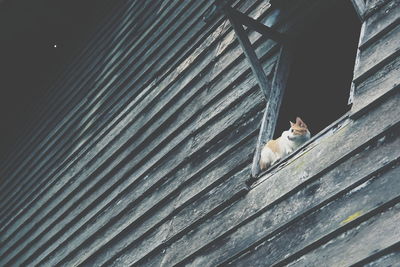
(289, 141)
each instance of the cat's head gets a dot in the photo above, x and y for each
(298, 131)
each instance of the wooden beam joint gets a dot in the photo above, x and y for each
(254, 24)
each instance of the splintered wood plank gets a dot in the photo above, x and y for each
(163, 170)
(183, 132)
(180, 224)
(258, 238)
(37, 147)
(281, 184)
(316, 229)
(378, 54)
(39, 172)
(390, 259)
(53, 196)
(373, 6)
(370, 237)
(381, 22)
(384, 81)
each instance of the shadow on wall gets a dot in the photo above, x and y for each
(37, 40)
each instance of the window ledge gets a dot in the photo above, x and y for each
(302, 150)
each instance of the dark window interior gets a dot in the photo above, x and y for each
(319, 83)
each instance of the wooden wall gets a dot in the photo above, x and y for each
(142, 157)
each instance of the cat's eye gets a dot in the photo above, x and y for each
(292, 130)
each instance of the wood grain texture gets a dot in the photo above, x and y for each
(278, 186)
(388, 259)
(144, 161)
(377, 55)
(379, 23)
(378, 232)
(250, 238)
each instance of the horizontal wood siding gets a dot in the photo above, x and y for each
(377, 69)
(144, 156)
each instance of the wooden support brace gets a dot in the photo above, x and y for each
(274, 96)
(250, 54)
(282, 69)
(254, 24)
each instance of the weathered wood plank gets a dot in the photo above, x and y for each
(379, 232)
(55, 97)
(280, 185)
(329, 221)
(168, 114)
(315, 195)
(177, 182)
(117, 128)
(377, 55)
(131, 215)
(114, 48)
(390, 259)
(61, 131)
(373, 6)
(155, 131)
(377, 85)
(380, 23)
(93, 105)
(146, 236)
(102, 207)
(77, 83)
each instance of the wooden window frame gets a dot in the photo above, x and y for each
(272, 91)
(360, 7)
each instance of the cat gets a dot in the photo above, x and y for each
(289, 141)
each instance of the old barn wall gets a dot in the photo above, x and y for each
(143, 157)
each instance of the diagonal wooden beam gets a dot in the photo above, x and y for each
(268, 123)
(250, 54)
(254, 24)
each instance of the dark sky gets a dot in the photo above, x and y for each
(38, 38)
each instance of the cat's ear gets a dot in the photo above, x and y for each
(300, 123)
(291, 123)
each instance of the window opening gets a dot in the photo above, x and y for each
(322, 61)
(322, 71)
